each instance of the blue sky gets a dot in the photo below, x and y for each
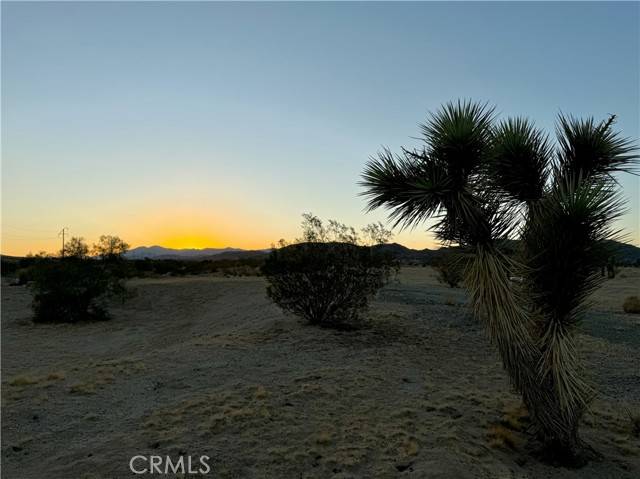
(195, 124)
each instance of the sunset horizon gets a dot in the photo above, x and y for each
(172, 140)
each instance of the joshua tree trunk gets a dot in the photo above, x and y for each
(502, 307)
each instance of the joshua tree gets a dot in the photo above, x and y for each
(486, 180)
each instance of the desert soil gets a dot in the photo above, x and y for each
(207, 366)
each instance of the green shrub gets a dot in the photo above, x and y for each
(631, 305)
(72, 289)
(328, 284)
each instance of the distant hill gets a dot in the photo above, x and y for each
(626, 254)
(160, 252)
(408, 255)
(398, 251)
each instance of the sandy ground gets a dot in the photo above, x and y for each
(208, 366)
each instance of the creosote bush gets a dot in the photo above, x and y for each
(74, 287)
(71, 290)
(326, 278)
(328, 284)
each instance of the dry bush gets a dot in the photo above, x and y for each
(328, 284)
(72, 289)
(631, 305)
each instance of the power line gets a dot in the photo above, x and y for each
(21, 230)
(28, 238)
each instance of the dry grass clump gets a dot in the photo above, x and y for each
(56, 376)
(24, 380)
(261, 392)
(504, 434)
(501, 437)
(83, 388)
(409, 447)
(324, 437)
(517, 419)
(631, 305)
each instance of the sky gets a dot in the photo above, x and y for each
(216, 124)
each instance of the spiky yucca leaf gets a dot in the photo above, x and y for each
(520, 159)
(565, 241)
(459, 137)
(413, 190)
(435, 182)
(590, 148)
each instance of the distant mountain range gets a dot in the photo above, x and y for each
(160, 252)
(626, 254)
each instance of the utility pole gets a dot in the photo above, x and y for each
(62, 234)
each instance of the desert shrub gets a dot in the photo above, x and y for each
(631, 305)
(450, 271)
(328, 284)
(451, 266)
(72, 289)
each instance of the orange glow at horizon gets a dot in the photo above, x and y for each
(178, 225)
